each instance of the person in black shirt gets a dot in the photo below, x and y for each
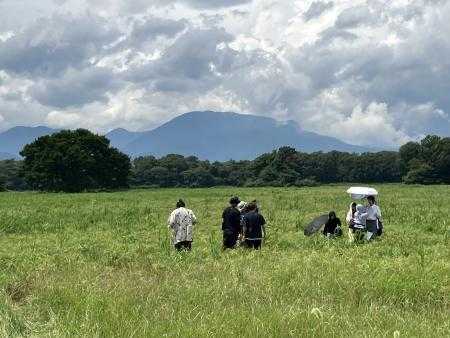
(254, 230)
(333, 226)
(231, 224)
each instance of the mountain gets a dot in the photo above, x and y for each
(6, 156)
(120, 137)
(220, 136)
(216, 136)
(13, 140)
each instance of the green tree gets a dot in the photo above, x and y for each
(10, 175)
(74, 161)
(408, 152)
(198, 177)
(142, 171)
(421, 173)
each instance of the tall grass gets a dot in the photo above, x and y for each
(100, 265)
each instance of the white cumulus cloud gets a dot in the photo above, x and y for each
(369, 72)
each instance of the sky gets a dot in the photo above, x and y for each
(369, 72)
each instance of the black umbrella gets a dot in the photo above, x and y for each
(315, 225)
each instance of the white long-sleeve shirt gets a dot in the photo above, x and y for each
(373, 213)
(182, 221)
(360, 219)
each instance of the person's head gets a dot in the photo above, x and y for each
(353, 207)
(360, 208)
(252, 206)
(332, 215)
(371, 200)
(242, 206)
(180, 203)
(234, 201)
(256, 203)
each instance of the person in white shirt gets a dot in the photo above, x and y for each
(373, 218)
(181, 221)
(357, 224)
(360, 217)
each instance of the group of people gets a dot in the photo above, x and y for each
(363, 221)
(242, 225)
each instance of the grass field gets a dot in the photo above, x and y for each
(100, 265)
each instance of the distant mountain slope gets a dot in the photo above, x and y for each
(13, 140)
(120, 137)
(220, 136)
(6, 156)
(216, 136)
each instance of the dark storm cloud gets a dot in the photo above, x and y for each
(215, 3)
(387, 59)
(50, 46)
(206, 4)
(332, 33)
(151, 27)
(354, 17)
(316, 9)
(190, 63)
(76, 88)
(409, 77)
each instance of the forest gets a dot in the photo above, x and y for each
(424, 162)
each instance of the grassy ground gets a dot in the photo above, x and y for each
(100, 265)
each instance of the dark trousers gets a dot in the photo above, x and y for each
(186, 246)
(253, 244)
(229, 240)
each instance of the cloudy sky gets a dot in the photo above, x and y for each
(365, 71)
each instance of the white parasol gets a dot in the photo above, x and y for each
(358, 193)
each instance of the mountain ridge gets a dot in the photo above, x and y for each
(215, 136)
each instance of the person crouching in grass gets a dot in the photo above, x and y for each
(359, 225)
(181, 222)
(254, 230)
(333, 226)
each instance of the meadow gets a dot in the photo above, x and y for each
(101, 265)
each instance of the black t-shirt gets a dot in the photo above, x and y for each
(253, 225)
(231, 220)
(331, 225)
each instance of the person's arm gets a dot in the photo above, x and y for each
(380, 218)
(243, 226)
(171, 220)
(364, 216)
(349, 217)
(193, 218)
(326, 227)
(238, 221)
(263, 226)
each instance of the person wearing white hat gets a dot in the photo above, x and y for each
(241, 206)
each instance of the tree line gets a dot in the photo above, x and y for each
(78, 160)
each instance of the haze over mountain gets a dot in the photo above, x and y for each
(216, 136)
(121, 138)
(13, 140)
(220, 136)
